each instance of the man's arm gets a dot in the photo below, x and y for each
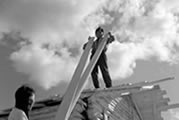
(111, 38)
(89, 38)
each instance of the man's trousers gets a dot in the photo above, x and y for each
(102, 64)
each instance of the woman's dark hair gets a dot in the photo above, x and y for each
(23, 93)
(22, 97)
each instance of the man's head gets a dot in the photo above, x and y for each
(99, 32)
(25, 97)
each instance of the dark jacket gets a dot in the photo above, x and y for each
(97, 42)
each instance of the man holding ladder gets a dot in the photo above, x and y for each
(102, 61)
(81, 74)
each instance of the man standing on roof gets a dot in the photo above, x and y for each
(24, 100)
(102, 61)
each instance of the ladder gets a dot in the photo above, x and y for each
(79, 79)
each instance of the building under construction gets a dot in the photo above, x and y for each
(139, 101)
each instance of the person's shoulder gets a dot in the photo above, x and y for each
(17, 114)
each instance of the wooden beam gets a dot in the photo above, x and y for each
(165, 108)
(89, 68)
(75, 88)
(69, 95)
(137, 108)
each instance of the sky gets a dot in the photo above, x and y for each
(41, 43)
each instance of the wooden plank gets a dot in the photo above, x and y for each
(46, 111)
(88, 70)
(143, 83)
(137, 108)
(162, 102)
(165, 108)
(74, 91)
(67, 101)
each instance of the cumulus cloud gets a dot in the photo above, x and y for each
(43, 65)
(172, 114)
(146, 29)
(55, 30)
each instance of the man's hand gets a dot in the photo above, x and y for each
(89, 38)
(111, 38)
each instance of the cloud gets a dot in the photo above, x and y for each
(172, 114)
(34, 18)
(175, 114)
(44, 65)
(55, 30)
(146, 30)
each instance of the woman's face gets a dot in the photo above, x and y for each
(31, 101)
